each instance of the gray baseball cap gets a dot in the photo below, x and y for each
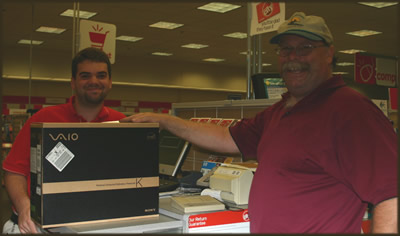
(310, 27)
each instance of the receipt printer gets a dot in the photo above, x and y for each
(233, 182)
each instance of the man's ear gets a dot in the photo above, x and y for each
(72, 83)
(331, 54)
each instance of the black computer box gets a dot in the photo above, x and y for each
(93, 172)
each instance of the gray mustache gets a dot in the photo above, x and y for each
(293, 66)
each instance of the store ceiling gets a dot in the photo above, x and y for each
(203, 27)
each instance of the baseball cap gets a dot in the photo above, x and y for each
(310, 27)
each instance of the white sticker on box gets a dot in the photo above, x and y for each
(38, 158)
(33, 160)
(39, 178)
(38, 191)
(60, 156)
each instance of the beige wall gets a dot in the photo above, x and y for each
(13, 87)
(190, 78)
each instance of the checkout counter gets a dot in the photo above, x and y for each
(229, 184)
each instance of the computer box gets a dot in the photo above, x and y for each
(93, 172)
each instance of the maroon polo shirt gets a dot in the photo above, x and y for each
(319, 162)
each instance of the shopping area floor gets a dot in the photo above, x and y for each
(5, 205)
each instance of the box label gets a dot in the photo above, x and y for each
(60, 156)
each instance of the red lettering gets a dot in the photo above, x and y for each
(386, 77)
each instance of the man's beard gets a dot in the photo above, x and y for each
(85, 97)
(93, 100)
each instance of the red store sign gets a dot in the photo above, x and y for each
(371, 69)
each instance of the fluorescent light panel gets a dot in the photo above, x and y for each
(219, 7)
(351, 51)
(166, 25)
(51, 30)
(236, 35)
(214, 59)
(251, 53)
(82, 14)
(266, 64)
(345, 64)
(194, 46)
(363, 33)
(378, 4)
(128, 38)
(340, 73)
(162, 54)
(28, 41)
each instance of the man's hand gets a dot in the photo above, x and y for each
(148, 117)
(26, 225)
(16, 185)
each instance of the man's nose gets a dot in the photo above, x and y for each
(93, 79)
(293, 54)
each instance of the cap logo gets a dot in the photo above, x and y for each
(294, 21)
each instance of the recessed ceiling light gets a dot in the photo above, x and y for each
(345, 64)
(51, 30)
(236, 35)
(214, 59)
(363, 33)
(28, 41)
(378, 4)
(128, 38)
(82, 14)
(266, 64)
(194, 46)
(340, 73)
(166, 25)
(162, 54)
(351, 51)
(218, 7)
(251, 53)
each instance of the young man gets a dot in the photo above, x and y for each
(91, 82)
(324, 151)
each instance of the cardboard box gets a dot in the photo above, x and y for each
(93, 172)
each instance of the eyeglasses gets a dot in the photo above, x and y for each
(301, 50)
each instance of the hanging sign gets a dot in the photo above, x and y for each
(98, 35)
(266, 17)
(372, 69)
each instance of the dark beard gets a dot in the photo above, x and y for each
(95, 101)
(88, 100)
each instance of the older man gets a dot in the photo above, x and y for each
(324, 151)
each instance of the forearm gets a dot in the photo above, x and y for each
(16, 186)
(384, 217)
(208, 136)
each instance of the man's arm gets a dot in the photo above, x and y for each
(208, 136)
(384, 217)
(16, 186)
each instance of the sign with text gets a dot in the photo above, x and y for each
(98, 35)
(371, 69)
(266, 17)
(386, 72)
